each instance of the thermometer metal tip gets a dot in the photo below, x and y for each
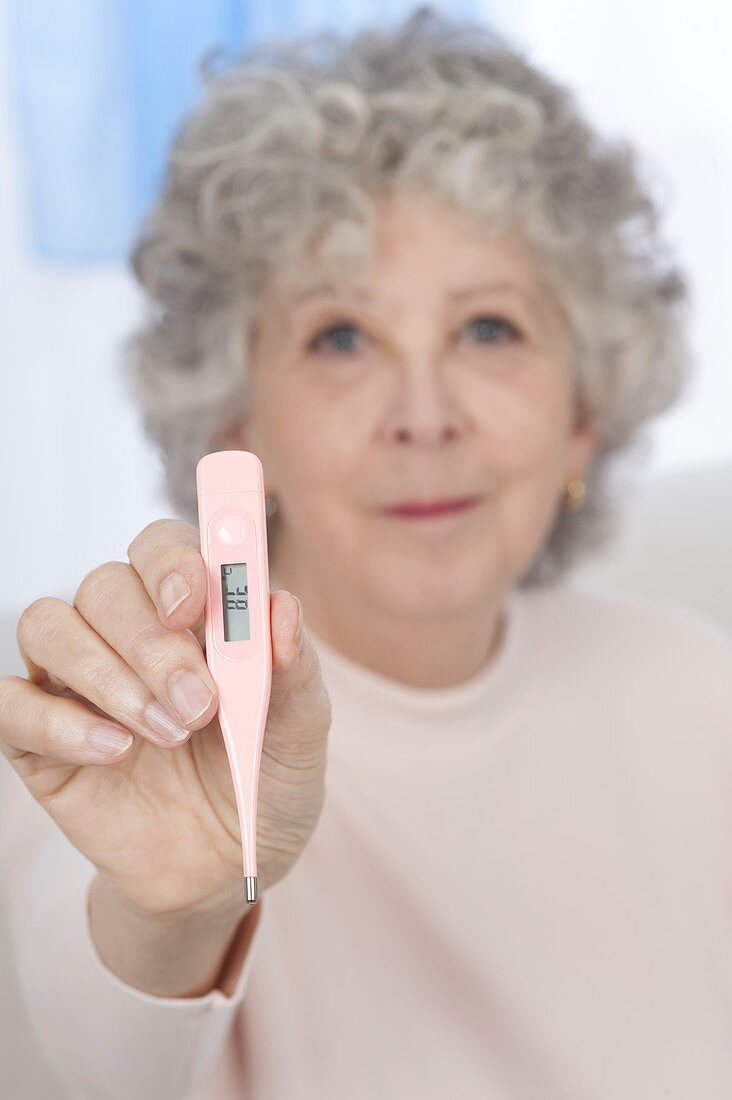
(252, 894)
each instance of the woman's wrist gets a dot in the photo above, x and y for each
(180, 957)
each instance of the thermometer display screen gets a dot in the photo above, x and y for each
(235, 601)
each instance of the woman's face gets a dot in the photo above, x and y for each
(441, 371)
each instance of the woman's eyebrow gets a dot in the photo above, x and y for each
(328, 289)
(502, 284)
(457, 295)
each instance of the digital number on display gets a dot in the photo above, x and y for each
(235, 601)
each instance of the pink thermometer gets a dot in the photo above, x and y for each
(233, 529)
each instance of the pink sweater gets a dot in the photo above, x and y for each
(520, 888)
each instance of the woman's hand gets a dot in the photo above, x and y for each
(159, 819)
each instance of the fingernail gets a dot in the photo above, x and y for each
(190, 695)
(110, 739)
(160, 721)
(173, 591)
(298, 630)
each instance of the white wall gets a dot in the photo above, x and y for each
(78, 479)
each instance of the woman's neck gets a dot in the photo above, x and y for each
(430, 651)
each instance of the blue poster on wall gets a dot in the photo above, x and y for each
(99, 88)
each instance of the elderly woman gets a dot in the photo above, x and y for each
(408, 275)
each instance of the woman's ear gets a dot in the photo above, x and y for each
(232, 437)
(584, 445)
(236, 436)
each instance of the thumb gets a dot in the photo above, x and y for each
(288, 638)
(299, 710)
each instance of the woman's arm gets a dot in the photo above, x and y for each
(181, 959)
(102, 1037)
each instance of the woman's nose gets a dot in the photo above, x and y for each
(423, 405)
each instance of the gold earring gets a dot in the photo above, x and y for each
(575, 498)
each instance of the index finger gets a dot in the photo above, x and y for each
(167, 556)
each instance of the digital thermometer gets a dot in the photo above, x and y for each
(233, 528)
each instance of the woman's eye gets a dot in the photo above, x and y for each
(487, 330)
(342, 337)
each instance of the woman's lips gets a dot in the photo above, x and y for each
(426, 509)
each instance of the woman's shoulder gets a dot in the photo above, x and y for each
(646, 681)
(629, 630)
(652, 679)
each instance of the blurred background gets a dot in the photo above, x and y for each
(91, 93)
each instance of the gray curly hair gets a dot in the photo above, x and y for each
(281, 163)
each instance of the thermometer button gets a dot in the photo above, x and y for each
(232, 529)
